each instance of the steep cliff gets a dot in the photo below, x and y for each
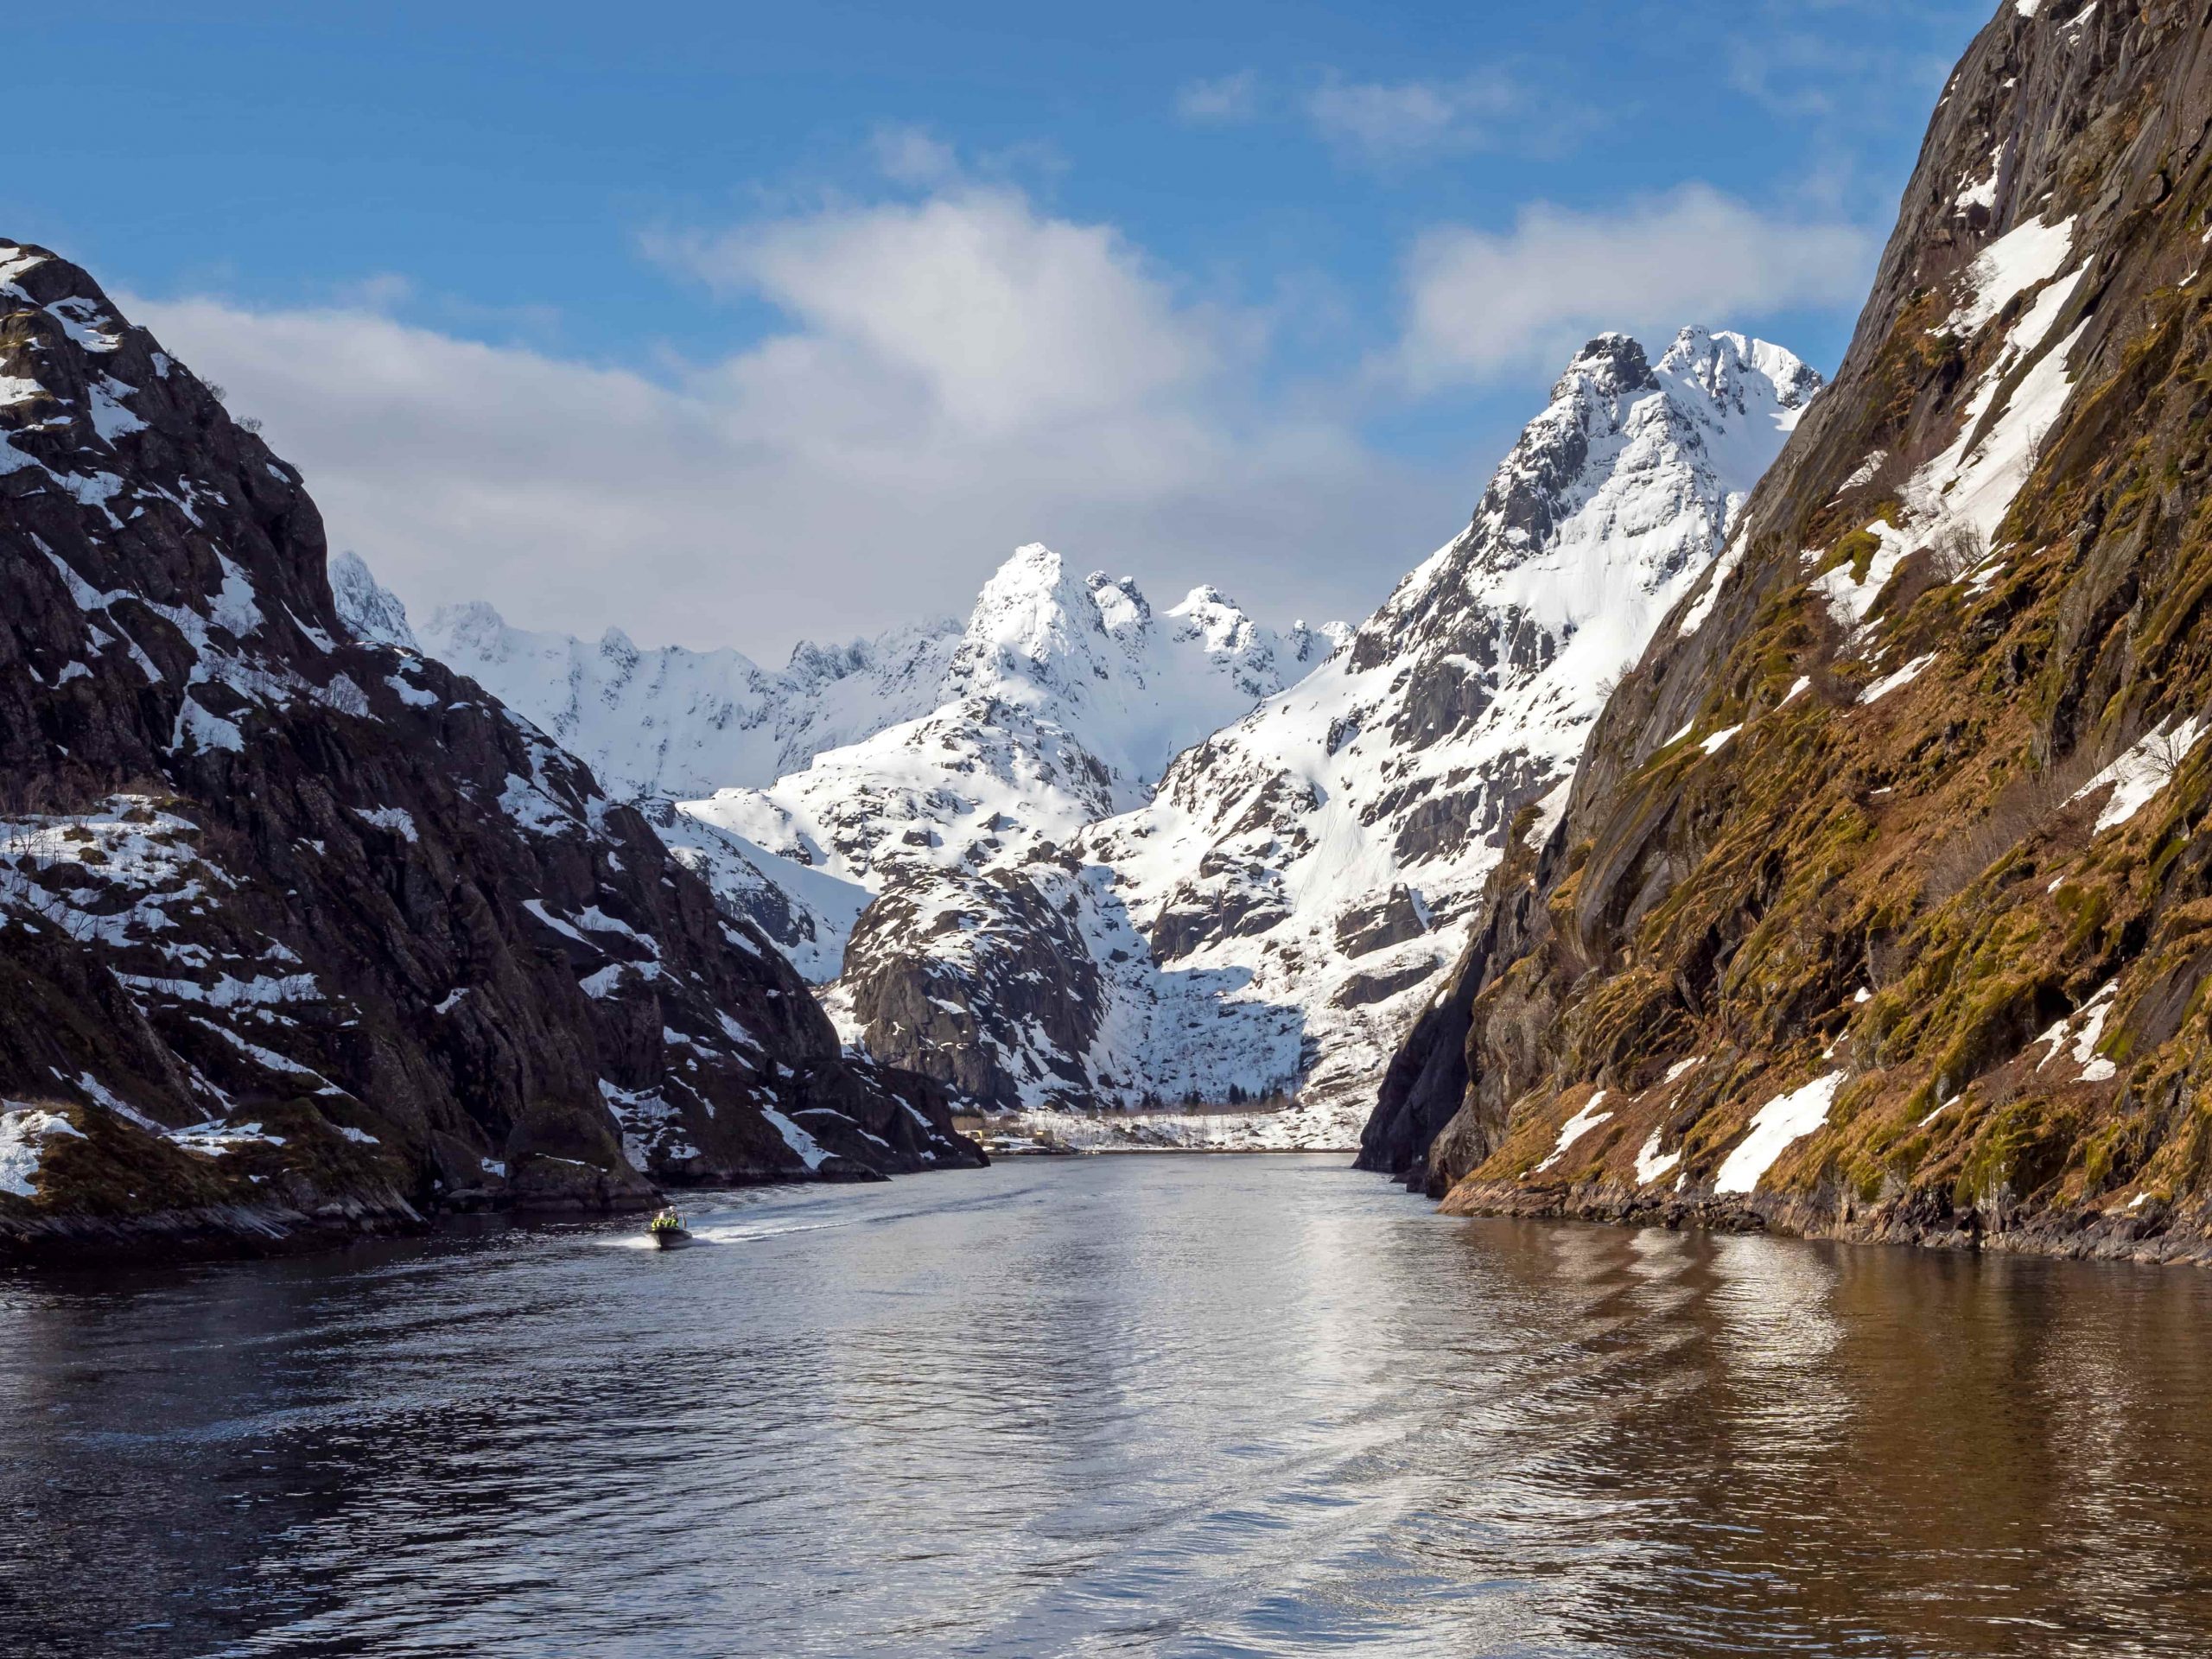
(1880, 904)
(300, 932)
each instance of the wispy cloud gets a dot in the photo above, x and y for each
(910, 154)
(1229, 100)
(1385, 123)
(1485, 305)
(1802, 73)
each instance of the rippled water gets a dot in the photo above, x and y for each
(1133, 1405)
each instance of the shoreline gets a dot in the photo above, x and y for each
(2159, 1235)
(213, 1233)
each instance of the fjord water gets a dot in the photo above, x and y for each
(1137, 1405)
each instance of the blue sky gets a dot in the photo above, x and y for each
(735, 324)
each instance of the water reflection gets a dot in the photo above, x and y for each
(1158, 1405)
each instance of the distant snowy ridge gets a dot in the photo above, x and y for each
(1063, 701)
(673, 722)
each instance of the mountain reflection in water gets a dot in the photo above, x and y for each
(1126, 1405)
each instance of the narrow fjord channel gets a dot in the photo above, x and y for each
(1230, 1404)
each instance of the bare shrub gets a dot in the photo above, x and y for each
(2167, 750)
(2026, 807)
(1957, 551)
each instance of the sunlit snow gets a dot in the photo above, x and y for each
(1777, 1127)
(1588, 1118)
(25, 1133)
(2141, 774)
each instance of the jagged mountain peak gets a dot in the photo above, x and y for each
(369, 611)
(1627, 473)
(1611, 364)
(1132, 687)
(1120, 603)
(1035, 620)
(1734, 369)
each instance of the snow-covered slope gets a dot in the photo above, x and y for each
(671, 722)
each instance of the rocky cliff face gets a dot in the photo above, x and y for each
(1877, 907)
(300, 932)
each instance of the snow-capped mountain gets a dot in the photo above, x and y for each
(946, 746)
(671, 722)
(1117, 858)
(1325, 848)
(1063, 701)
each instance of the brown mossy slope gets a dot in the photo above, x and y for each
(1891, 804)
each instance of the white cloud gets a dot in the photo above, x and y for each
(999, 318)
(915, 155)
(1229, 100)
(958, 375)
(1482, 305)
(1386, 122)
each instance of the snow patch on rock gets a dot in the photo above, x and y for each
(1777, 1127)
(25, 1133)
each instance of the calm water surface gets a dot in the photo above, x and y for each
(1171, 1406)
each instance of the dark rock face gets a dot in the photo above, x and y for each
(979, 979)
(302, 935)
(1426, 1085)
(1392, 920)
(1909, 799)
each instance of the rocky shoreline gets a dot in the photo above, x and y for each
(2157, 1233)
(208, 1233)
